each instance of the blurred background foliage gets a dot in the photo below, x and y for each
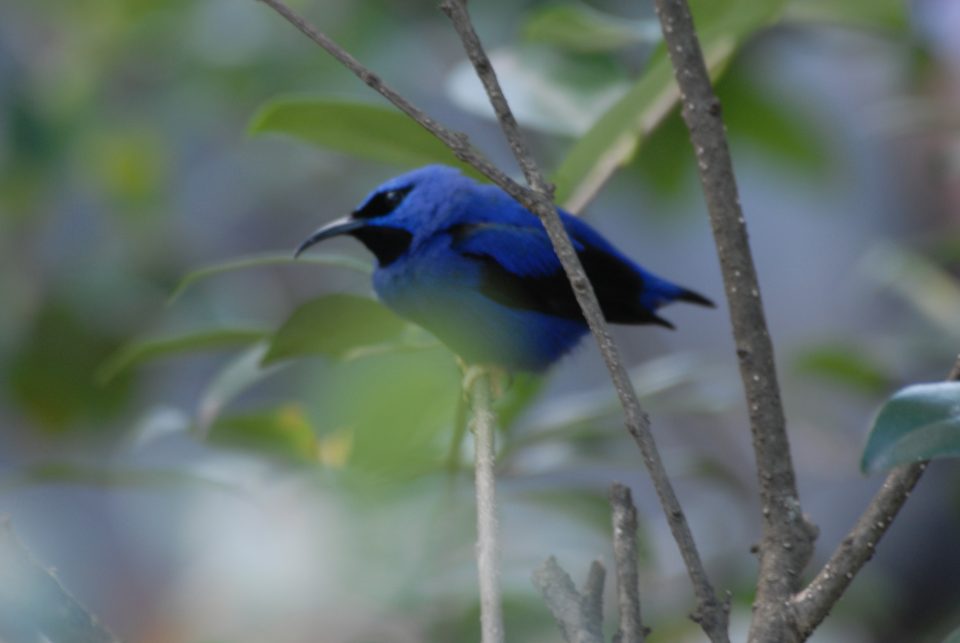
(212, 443)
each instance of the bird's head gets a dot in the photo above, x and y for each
(397, 213)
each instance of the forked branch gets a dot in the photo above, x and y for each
(813, 604)
(787, 540)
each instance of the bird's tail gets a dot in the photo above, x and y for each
(660, 292)
(689, 296)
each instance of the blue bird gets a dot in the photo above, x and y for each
(475, 268)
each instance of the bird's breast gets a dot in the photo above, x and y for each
(440, 290)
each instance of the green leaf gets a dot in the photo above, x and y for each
(920, 422)
(141, 351)
(284, 433)
(359, 129)
(580, 28)
(334, 325)
(845, 365)
(888, 15)
(615, 137)
(268, 259)
(953, 637)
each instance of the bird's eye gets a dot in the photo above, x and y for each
(382, 203)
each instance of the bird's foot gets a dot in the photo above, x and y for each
(499, 378)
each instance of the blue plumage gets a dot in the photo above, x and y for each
(474, 267)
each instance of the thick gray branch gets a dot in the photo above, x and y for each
(787, 541)
(580, 617)
(625, 560)
(813, 604)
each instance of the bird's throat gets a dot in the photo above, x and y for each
(386, 243)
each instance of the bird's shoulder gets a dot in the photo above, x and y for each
(493, 227)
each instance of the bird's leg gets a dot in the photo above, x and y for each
(500, 379)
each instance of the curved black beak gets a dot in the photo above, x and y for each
(344, 225)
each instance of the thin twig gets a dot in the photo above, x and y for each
(34, 605)
(458, 142)
(712, 613)
(456, 10)
(625, 559)
(787, 541)
(591, 601)
(483, 425)
(580, 617)
(813, 604)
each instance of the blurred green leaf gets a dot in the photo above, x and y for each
(920, 422)
(334, 325)
(142, 351)
(943, 246)
(581, 28)
(953, 637)
(772, 125)
(269, 259)
(50, 372)
(550, 91)
(931, 290)
(665, 160)
(396, 406)
(129, 164)
(613, 140)
(845, 365)
(358, 129)
(891, 15)
(49, 473)
(284, 433)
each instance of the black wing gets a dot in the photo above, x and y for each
(520, 270)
